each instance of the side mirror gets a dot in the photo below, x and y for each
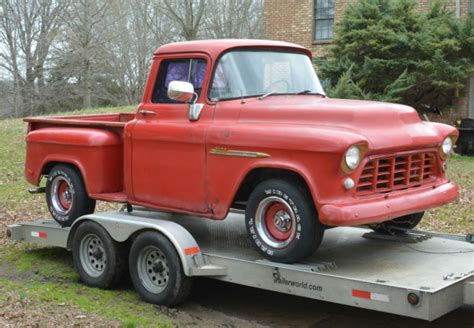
(181, 91)
(184, 91)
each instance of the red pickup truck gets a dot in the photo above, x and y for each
(246, 124)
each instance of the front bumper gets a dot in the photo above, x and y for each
(389, 206)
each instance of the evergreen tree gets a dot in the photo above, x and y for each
(386, 50)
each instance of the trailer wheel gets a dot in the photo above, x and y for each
(66, 195)
(156, 270)
(406, 222)
(282, 221)
(99, 260)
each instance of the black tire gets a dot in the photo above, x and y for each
(296, 235)
(405, 222)
(156, 271)
(99, 260)
(66, 206)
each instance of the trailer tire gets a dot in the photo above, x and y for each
(282, 221)
(409, 221)
(66, 195)
(156, 270)
(100, 261)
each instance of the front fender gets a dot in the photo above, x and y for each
(312, 152)
(443, 130)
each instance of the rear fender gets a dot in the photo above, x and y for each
(97, 154)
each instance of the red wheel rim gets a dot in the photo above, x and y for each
(63, 189)
(273, 229)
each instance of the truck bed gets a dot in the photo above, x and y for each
(91, 143)
(111, 120)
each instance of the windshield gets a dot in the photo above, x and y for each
(254, 73)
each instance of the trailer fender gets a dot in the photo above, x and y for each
(121, 226)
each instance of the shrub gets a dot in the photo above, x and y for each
(386, 50)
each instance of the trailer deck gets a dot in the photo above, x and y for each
(422, 277)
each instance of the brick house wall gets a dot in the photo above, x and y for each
(293, 21)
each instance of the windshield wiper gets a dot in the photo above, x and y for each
(304, 92)
(266, 95)
(308, 92)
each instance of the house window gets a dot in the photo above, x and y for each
(323, 19)
(471, 8)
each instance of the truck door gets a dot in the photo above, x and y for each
(168, 150)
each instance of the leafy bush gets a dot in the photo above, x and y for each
(386, 50)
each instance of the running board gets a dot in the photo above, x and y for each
(119, 197)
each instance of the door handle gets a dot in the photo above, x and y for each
(147, 112)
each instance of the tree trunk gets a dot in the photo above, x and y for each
(87, 91)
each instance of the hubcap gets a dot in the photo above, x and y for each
(275, 221)
(61, 195)
(92, 255)
(153, 269)
(282, 221)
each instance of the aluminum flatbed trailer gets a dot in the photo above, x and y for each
(415, 274)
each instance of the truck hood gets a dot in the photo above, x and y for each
(386, 126)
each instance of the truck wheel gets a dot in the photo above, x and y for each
(66, 195)
(99, 260)
(156, 270)
(282, 221)
(406, 222)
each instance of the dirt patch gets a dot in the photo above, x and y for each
(19, 310)
(24, 306)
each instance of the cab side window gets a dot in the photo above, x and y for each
(188, 70)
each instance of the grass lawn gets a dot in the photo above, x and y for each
(458, 216)
(44, 278)
(38, 283)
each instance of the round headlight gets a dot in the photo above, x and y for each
(447, 146)
(352, 157)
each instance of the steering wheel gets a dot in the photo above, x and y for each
(271, 87)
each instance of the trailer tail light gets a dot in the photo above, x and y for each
(191, 250)
(39, 234)
(370, 296)
(387, 174)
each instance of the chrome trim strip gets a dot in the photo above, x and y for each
(237, 153)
